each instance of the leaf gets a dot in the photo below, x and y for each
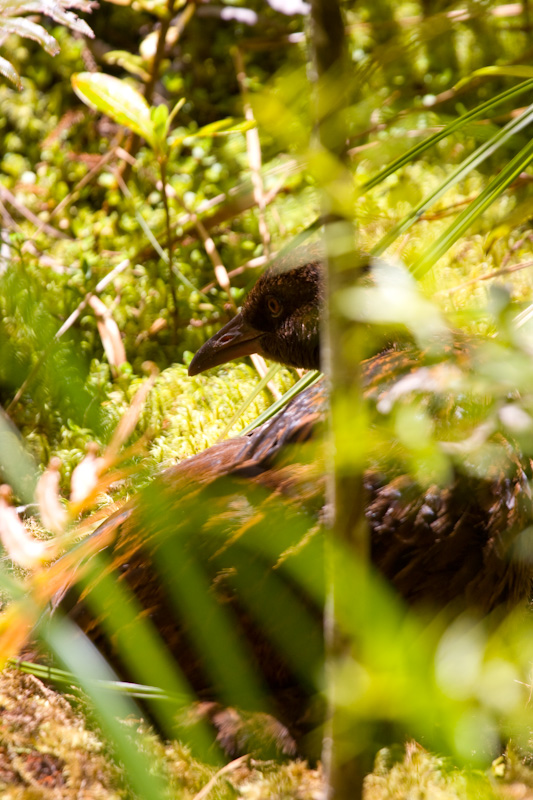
(128, 61)
(9, 72)
(415, 152)
(53, 514)
(69, 20)
(159, 117)
(19, 545)
(30, 30)
(117, 99)
(16, 623)
(223, 127)
(129, 419)
(85, 476)
(495, 188)
(470, 163)
(109, 332)
(179, 105)
(512, 71)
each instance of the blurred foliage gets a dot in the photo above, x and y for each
(79, 194)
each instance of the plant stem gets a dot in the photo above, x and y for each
(170, 249)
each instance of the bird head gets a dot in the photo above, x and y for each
(279, 320)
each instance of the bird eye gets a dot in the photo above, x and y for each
(274, 306)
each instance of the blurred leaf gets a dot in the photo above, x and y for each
(417, 150)
(468, 165)
(90, 668)
(130, 418)
(137, 642)
(109, 332)
(84, 479)
(26, 28)
(510, 70)
(133, 64)
(53, 514)
(117, 99)
(9, 72)
(19, 545)
(17, 465)
(498, 184)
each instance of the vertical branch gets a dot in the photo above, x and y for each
(170, 247)
(253, 146)
(347, 529)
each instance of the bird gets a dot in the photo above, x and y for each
(280, 319)
(246, 515)
(438, 544)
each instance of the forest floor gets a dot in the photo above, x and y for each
(50, 750)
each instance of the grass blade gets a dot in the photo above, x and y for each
(472, 162)
(511, 171)
(417, 150)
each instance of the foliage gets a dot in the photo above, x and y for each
(11, 22)
(183, 204)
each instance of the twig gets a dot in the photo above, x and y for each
(170, 249)
(260, 261)
(6, 196)
(253, 145)
(221, 273)
(151, 238)
(487, 276)
(261, 367)
(204, 791)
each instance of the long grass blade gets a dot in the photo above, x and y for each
(472, 162)
(511, 171)
(308, 380)
(250, 398)
(84, 660)
(417, 150)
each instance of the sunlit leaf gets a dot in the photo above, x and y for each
(26, 28)
(19, 545)
(109, 332)
(128, 61)
(498, 184)
(509, 70)
(117, 99)
(53, 514)
(9, 72)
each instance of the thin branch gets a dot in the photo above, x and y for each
(231, 767)
(253, 145)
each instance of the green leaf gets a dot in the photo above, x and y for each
(131, 63)
(415, 152)
(81, 657)
(250, 398)
(179, 105)
(225, 126)
(159, 117)
(495, 188)
(18, 467)
(117, 99)
(472, 162)
(512, 71)
(307, 380)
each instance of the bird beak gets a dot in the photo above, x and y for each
(237, 338)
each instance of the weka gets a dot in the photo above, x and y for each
(245, 514)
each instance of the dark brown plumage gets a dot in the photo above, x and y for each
(247, 511)
(280, 319)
